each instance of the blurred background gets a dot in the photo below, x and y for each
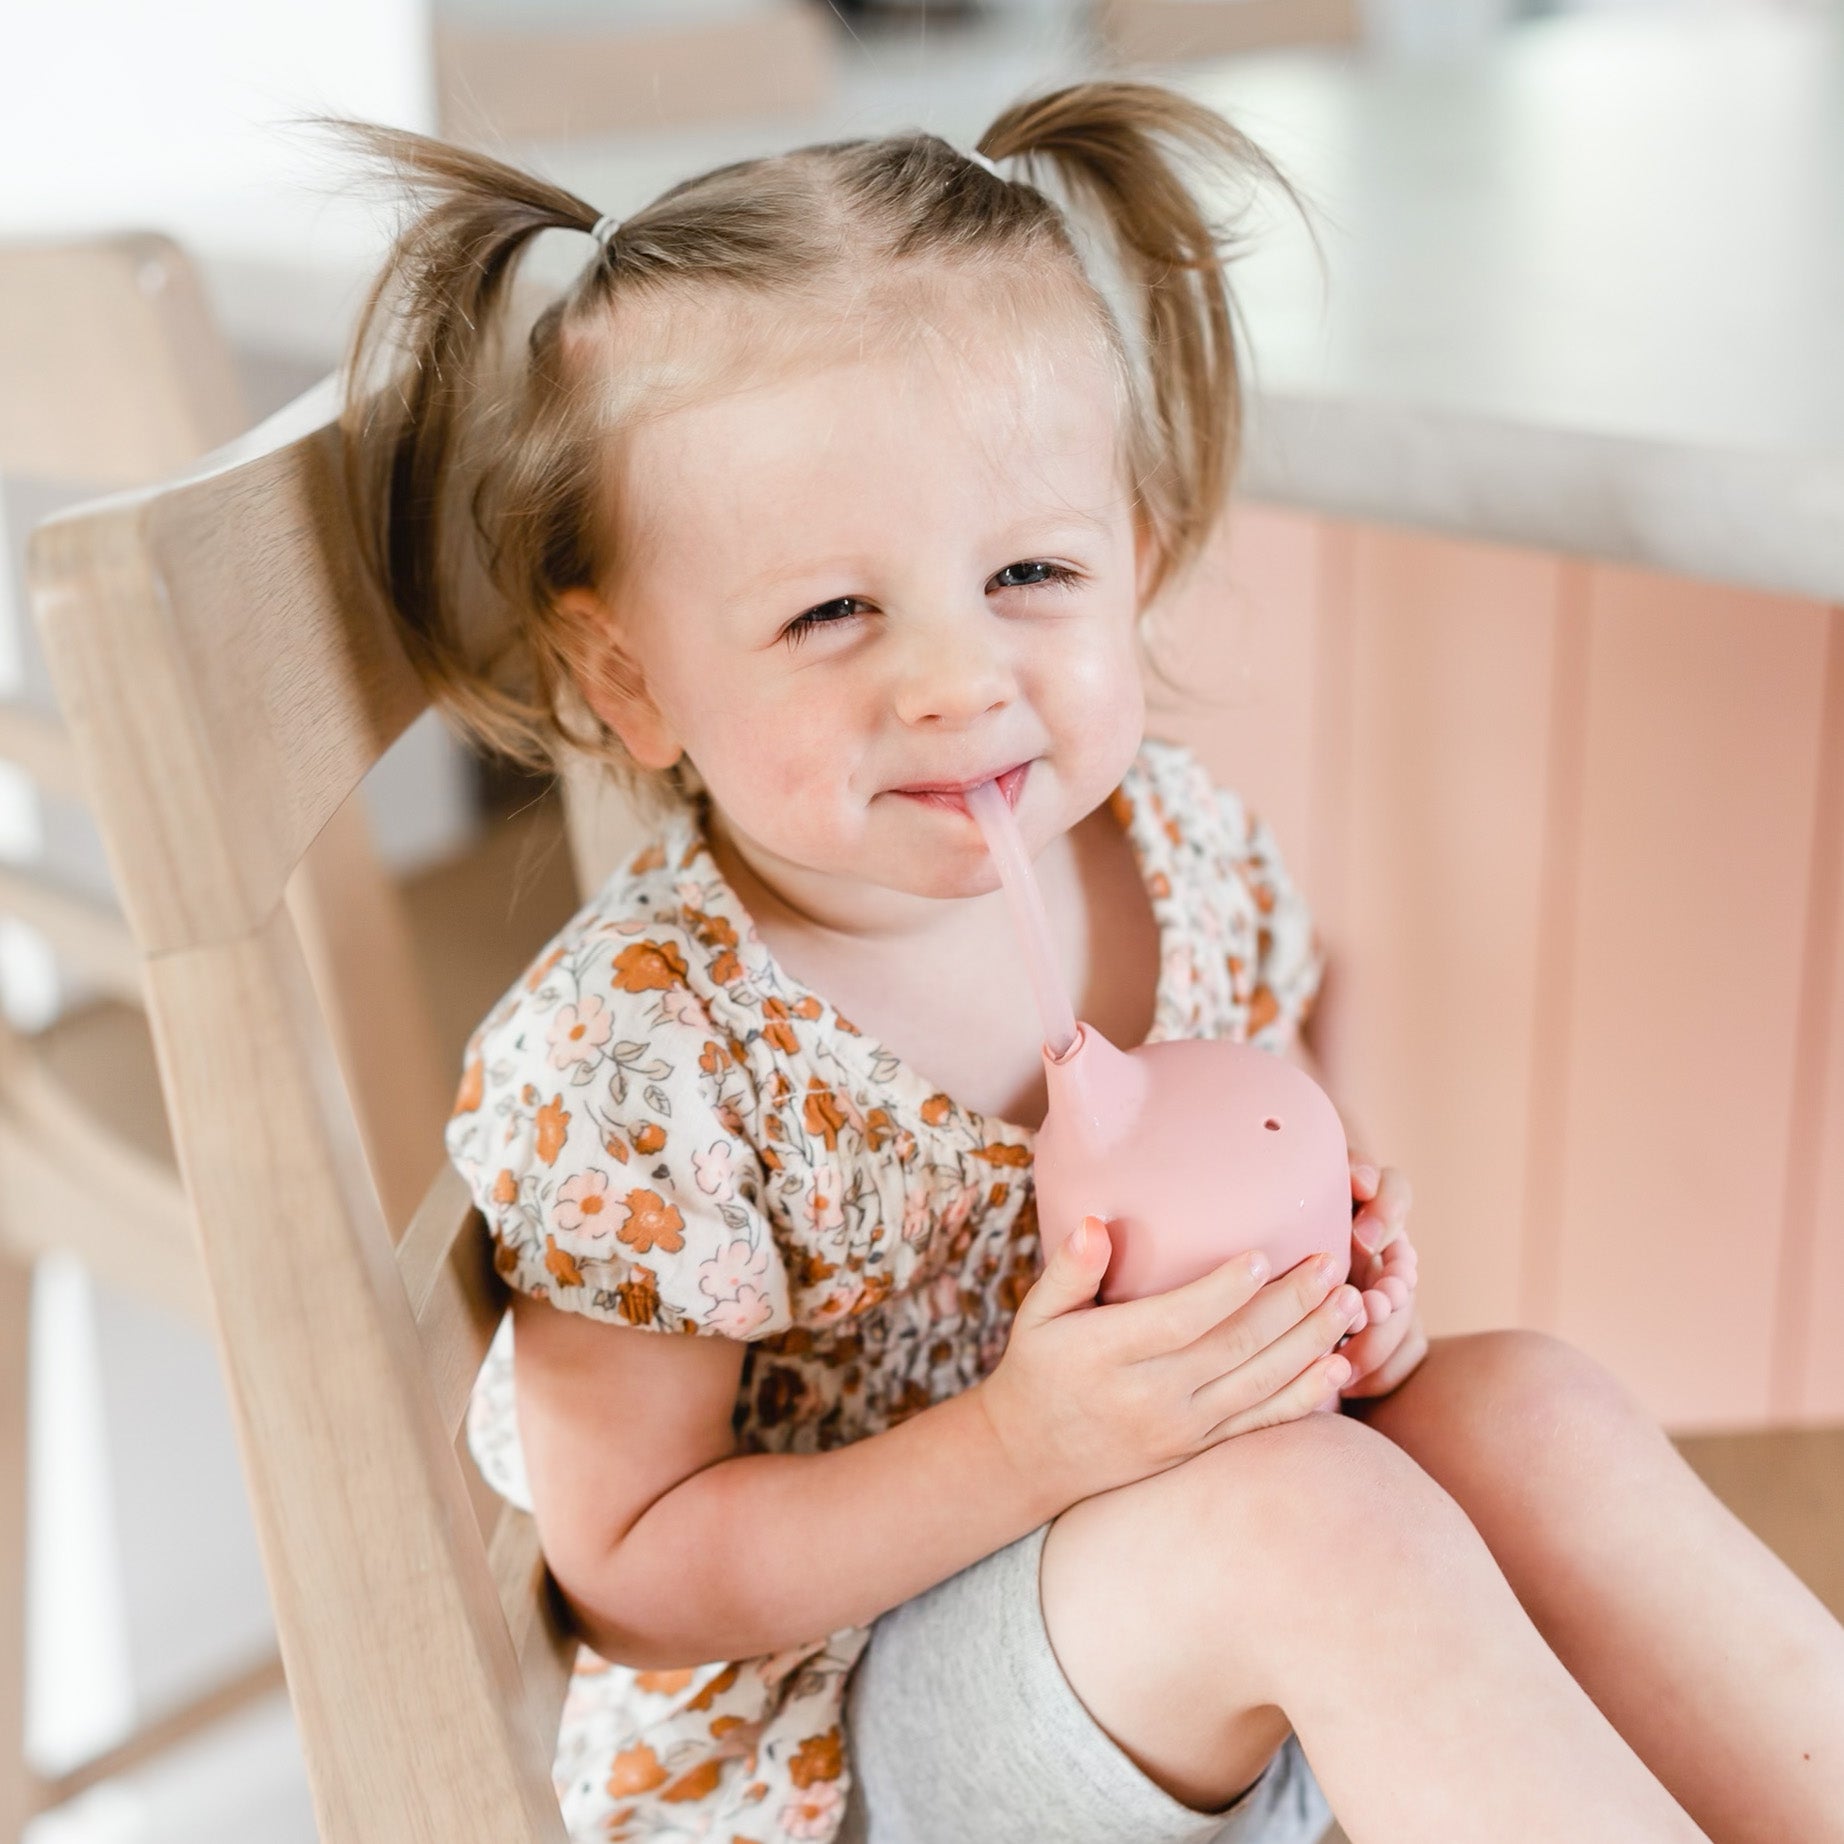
(1525, 637)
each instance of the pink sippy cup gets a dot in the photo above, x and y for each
(1193, 1150)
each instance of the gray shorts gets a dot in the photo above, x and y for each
(961, 1726)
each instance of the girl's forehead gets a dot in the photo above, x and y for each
(967, 395)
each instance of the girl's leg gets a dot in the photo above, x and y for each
(1311, 1575)
(1709, 1655)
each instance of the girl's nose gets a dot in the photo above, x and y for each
(953, 672)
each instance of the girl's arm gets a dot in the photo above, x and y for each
(674, 1550)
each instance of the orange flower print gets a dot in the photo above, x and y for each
(650, 859)
(996, 1153)
(877, 1128)
(809, 1007)
(505, 1189)
(636, 1771)
(936, 1109)
(726, 969)
(663, 1683)
(698, 1784)
(560, 1266)
(777, 1030)
(473, 1087)
(713, 931)
(712, 1058)
(1264, 1008)
(819, 1757)
(639, 1297)
(649, 1137)
(822, 1114)
(552, 1123)
(581, 1210)
(579, 1033)
(649, 966)
(651, 1222)
(714, 1687)
(876, 1290)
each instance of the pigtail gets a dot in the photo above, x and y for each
(423, 403)
(1130, 150)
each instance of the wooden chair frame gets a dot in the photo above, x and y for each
(229, 673)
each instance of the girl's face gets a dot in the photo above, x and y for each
(903, 568)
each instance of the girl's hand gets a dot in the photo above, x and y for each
(1383, 1268)
(1087, 1397)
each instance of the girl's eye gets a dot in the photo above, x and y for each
(1027, 575)
(822, 614)
(830, 613)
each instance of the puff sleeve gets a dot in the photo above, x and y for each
(599, 1129)
(1289, 959)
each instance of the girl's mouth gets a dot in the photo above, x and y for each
(1011, 785)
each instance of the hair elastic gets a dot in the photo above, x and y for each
(604, 229)
(979, 159)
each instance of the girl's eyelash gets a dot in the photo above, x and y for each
(803, 624)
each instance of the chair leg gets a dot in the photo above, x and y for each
(16, 1781)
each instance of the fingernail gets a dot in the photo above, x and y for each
(1078, 1240)
(1364, 1234)
(1366, 1174)
(1258, 1266)
(1327, 1267)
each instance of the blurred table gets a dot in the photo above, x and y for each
(1585, 294)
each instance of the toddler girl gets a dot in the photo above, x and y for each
(836, 483)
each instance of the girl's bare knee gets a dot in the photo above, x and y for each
(1319, 1510)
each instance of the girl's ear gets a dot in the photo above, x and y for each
(611, 681)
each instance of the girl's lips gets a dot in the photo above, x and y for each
(1011, 785)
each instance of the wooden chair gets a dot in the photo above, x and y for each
(112, 373)
(229, 675)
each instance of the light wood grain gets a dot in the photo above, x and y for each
(112, 372)
(229, 677)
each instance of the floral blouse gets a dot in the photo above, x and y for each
(665, 1130)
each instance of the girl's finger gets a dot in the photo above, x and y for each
(1386, 1216)
(1394, 1289)
(1373, 1345)
(1393, 1195)
(1378, 1304)
(1364, 1177)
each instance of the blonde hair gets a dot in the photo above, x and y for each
(466, 459)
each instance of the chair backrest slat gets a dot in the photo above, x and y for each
(229, 675)
(534, 1616)
(446, 1262)
(246, 716)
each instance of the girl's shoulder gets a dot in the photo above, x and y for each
(1170, 795)
(654, 945)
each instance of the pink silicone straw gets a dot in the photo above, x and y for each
(990, 809)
